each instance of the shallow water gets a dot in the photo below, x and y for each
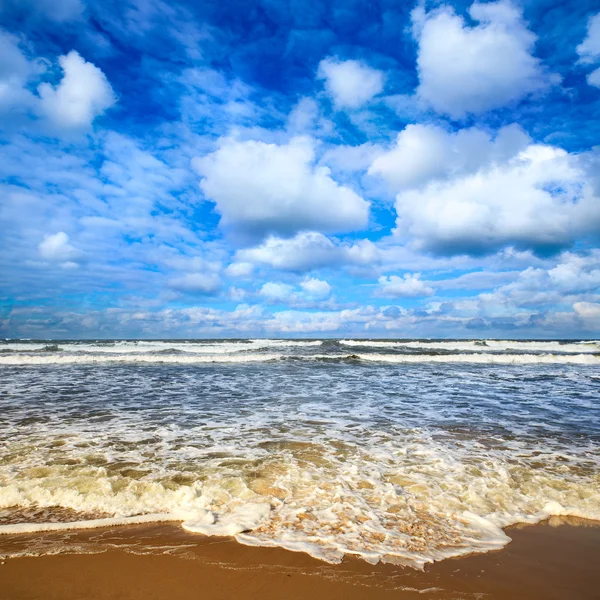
(400, 451)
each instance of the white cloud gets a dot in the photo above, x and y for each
(276, 292)
(593, 78)
(237, 294)
(350, 83)
(572, 280)
(133, 173)
(575, 274)
(264, 188)
(469, 193)
(589, 49)
(305, 118)
(426, 152)
(360, 320)
(408, 286)
(240, 269)
(589, 312)
(83, 94)
(308, 250)
(196, 283)
(315, 288)
(311, 291)
(15, 71)
(472, 69)
(305, 251)
(351, 158)
(56, 248)
(477, 280)
(14, 66)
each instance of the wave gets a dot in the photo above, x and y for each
(143, 346)
(179, 358)
(408, 506)
(16, 528)
(486, 359)
(584, 347)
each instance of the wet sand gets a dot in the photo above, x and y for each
(554, 560)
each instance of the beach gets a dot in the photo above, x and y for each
(299, 300)
(550, 561)
(279, 467)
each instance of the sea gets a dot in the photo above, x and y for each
(395, 451)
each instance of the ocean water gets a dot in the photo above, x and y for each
(405, 451)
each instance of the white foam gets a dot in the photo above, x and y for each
(242, 518)
(483, 345)
(491, 358)
(497, 359)
(408, 501)
(143, 346)
(16, 528)
(91, 359)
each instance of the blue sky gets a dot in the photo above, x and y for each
(292, 168)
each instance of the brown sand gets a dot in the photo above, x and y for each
(163, 562)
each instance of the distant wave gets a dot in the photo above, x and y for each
(179, 358)
(149, 347)
(587, 347)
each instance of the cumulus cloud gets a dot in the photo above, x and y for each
(239, 269)
(261, 188)
(572, 281)
(358, 320)
(56, 248)
(316, 288)
(312, 290)
(423, 153)
(408, 286)
(575, 274)
(471, 193)
(308, 250)
(589, 313)
(83, 94)
(276, 292)
(350, 83)
(472, 69)
(589, 49)
(196, 283)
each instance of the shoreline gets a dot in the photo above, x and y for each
(555, 559)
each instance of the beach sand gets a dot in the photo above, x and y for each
(553, 560)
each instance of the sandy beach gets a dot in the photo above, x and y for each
(552, 560)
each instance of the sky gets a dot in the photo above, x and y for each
(299, 168)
